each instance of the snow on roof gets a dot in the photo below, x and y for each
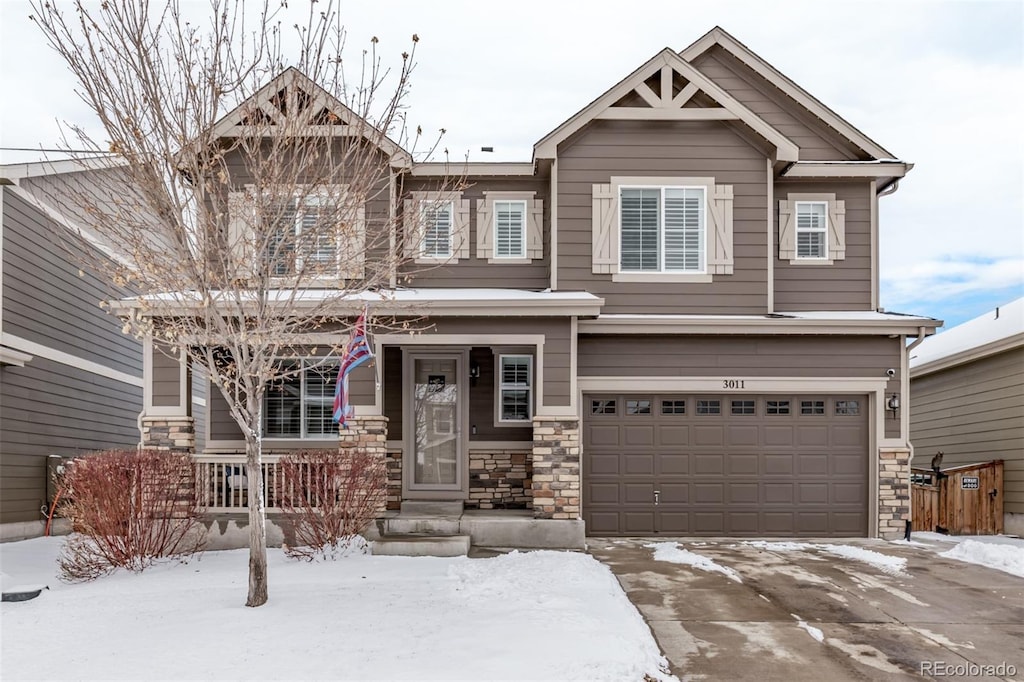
(407, 295)
(817, 315)
(1002, 323)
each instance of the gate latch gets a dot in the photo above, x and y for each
(656, 494)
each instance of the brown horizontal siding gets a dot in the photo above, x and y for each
(816, 140)
(51, 409)
(47, 301)
(687, 149)
(803, 356)
(477, 272)
(844, 285)
(974, 413)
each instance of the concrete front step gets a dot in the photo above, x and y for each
(422, 525)
(432, 508)
(422, 545)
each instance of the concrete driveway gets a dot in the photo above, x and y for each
(935, 616)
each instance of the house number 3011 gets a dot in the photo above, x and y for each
(734, 383)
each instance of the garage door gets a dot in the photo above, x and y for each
(725, 465)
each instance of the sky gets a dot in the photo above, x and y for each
(940, 84)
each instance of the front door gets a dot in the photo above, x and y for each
(435, 460)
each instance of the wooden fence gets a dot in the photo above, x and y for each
(963, 500)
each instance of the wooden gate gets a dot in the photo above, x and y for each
(962, 500)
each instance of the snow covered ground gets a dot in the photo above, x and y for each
(521, 616)
(1001, 552)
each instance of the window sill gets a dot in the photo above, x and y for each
(661, 277)
(424, 260)
(510, 261)
(514, 424)
(811, 261)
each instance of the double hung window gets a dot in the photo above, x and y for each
(437, 220)
(515, 388)
(811, 229)
(510, 229)
(304, 238)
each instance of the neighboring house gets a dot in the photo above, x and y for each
(667, 321)
(70, 382)
(967, 400)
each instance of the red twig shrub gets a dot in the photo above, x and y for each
(330, 497)
(128, 508)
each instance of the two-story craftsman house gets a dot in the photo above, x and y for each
(666, 322)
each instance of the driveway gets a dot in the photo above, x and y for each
(873, 621)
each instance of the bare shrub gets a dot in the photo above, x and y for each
(128, 508)
(331, 497)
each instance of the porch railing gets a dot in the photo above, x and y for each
(222, 482)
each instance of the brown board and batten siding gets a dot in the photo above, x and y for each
(817, 142)
(974, 412)
(766, 356)
(843, 285)
(664, 149)
(475, 271)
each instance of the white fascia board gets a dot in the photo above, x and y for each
(725, 324)
(847, 169)
(968, 355)
(35, 169)
(484, 169)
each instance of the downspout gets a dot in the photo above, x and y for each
(889, 187)
(905, 379)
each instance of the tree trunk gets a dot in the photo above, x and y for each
(257, 522)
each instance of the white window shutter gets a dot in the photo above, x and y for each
(460, 229)
(241, 235)
(484, 229)
(837, 230)
(787, 231)
(604, 237)
(411, 228)
(535, 229)
(719, 232)
(353, 247)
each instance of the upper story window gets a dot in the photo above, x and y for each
(300, 404)
(437, 229)
(515, 389)
(320, 234)
(662, 229)
(653, 229)
(811, 229)
(509, 227)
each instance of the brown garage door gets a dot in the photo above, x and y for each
(725, 465)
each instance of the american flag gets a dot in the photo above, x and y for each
(356, 353)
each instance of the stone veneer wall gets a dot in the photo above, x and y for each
(556, 467)
(394, 480)
(893, 492)
(369, 433)
(169, 433)
(500, 480)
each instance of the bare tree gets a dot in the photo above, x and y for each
(247, 195)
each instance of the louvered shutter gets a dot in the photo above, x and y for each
(720, 231)
(460, 229)
(837, 229)
(352, 253)
(411, 228)
(535, 229)
(787, 231)
(605, 252)
(484, 229)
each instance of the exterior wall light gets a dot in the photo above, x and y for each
(893, 403)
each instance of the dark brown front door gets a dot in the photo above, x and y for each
(725, 465)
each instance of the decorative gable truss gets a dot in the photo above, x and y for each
(668, 88)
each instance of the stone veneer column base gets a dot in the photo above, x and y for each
(893, 491)
(176, 434)
(556, 467)
(371, 434)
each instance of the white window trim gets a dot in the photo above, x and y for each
(498, 388)
(523, 236)
(661, 271)
(303, 428)
(421, 256)
(822, 260)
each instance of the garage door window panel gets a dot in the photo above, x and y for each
(743, 407)
(812, 407)
(709, 407)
